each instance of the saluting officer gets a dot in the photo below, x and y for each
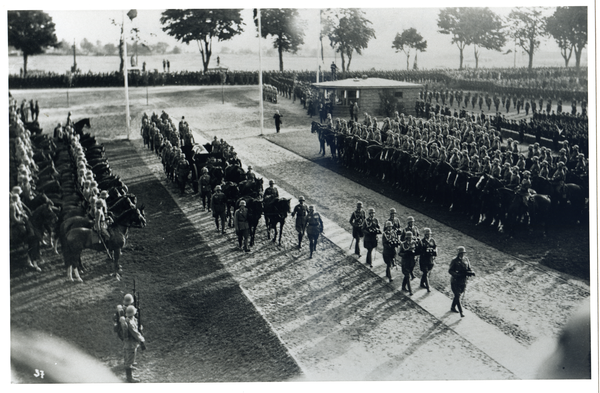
(301, 213)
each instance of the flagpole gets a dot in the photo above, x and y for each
(127, 116)
(320, 45)
(260, 81)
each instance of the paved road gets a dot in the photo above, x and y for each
(342, 321)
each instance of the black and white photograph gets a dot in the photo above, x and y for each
(339, 192)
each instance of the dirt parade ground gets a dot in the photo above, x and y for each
(213, 313)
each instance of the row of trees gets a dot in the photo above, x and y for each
(347, 29)
(482, 28)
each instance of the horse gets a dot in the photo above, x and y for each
(78, 126)
(234, 174)
(252, 188)
(78, 239)
(216, 176)
(232, 193)
(534, 214)
(43, 218)
(276, 210)
(255, 210)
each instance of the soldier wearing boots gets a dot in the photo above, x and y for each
(205, 188)
(427, 257)
(132, 341)
(218, 204)
(357, 219)
(313, 229)
(460, 271)
(301, 210)
(240, 223)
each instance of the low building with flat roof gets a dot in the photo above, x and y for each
(369, 93)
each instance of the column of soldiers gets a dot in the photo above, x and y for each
(472, 146)
(270, 93)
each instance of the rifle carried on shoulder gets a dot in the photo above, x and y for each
(136, 304)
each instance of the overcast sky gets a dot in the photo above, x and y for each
(73, 22)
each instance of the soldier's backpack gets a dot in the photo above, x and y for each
(120, 324)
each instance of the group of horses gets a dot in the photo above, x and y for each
(483, 198)
(72, 227)
(236, 187)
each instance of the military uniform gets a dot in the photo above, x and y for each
(390, 241)
(205, 190)
(357, 220)
(314, 227)
(426, 259)
(371, 229)
(301, 213)
(132, 341)
(271, 191)
(219, 207)
(240, 223)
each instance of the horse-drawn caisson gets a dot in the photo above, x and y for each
(451, 161)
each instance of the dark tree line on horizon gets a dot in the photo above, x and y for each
(348, 31)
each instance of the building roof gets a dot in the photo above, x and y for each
(368, 83)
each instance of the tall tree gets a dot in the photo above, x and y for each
(87, 46)
(202, 25)
(348, 30)
(568, 26)
(31, 32)
(455, 21)
(286, 28)
(486, 31)
(527, 26)
(408, 40)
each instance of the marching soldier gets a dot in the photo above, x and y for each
(427, 257)
(407, 251)
(183, 170)
(218, 205)
(460, 270)
(240, 223)
(394, 220)
(390, 241)
(205, 188)
(357, 220)
(313, 229)
(301, 210)
(371, 229)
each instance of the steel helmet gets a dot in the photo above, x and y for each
(130, 312)
(127, 299)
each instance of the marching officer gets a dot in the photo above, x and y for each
(390, 241)
(240, 223)
(410, 227)
(357, 220)
(219, 207)
(205, 188)
(313, 229)
(371, 229)
(271, 190)
(427, 257)
(407, 251)
(460, 270)
(301, 213)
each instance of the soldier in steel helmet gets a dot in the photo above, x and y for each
(301, 213)
(314, 228)
(205, 188)
(427, 257)
(240, 223)
(132, 340)
(218, 204)
(390, 242)
(371, 229)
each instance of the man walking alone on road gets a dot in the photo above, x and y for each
(278, 120)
